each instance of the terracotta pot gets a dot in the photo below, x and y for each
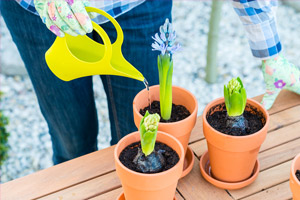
(232, 158)
(181, 129)
(139, 186)
(294, 182)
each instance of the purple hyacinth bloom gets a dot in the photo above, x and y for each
(279, 84)
(164, 41)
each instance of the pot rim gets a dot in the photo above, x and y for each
(293, 170)
(194, 112)
(251, 102)
(181, 157)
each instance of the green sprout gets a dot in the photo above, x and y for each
(148, 132)
(235, 97)
(165, 43)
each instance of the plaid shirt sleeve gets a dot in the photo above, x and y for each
(259, 20)
(113, 7)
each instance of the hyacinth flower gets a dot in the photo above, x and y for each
(164, 41)
(235, 101)
(147, 159)
(148, 132)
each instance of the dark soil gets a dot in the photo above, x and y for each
(217, 117)
(179, 112)
(298, 174)
(129, 153)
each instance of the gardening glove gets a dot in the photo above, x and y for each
(65, 16)
(279, 74)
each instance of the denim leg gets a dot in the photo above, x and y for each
(68, 107)
(138, 26)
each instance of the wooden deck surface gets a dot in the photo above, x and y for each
(93, 176)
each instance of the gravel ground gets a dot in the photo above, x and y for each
(30, 145)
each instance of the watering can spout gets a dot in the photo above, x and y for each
(132, 73)
(123, 68)
(71, 57)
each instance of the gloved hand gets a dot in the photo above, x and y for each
(65, 16)
(279, 74)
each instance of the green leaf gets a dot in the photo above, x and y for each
(226, 97)
(165, 82)
(148, 132)
(244, 96)
(236, 103)
(240, 81)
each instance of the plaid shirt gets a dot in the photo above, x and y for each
(112, 7)
(259, 20)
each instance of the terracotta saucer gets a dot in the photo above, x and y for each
(122, 197)
(188, 162)
(206, 173)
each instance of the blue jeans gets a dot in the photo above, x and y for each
(69, 107)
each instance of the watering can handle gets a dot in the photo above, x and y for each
(120, 36)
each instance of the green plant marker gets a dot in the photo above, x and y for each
(148, 132)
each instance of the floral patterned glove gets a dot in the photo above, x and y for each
(65, 16)
(279, 74)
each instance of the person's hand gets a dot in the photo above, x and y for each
(65, 16)
(279, 74)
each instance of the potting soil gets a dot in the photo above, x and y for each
(298, 174)
(128, 155)
(179, 112)
(217, 117)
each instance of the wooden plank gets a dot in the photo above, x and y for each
(194, 186)
(112, 195)
(284, 118)
(87, 189)
(279, 154)
(265, 180)
(280, 136)
(197, 133)
(199, 147)
(60, 176)
(178, 196)
(278, 192)
(285, 100)
(279, 120)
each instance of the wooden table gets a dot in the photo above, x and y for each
(93, 176)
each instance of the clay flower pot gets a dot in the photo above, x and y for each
(232, 158)
(181, 129)
(294, 182)
(137, 186)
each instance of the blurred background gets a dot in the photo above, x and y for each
(29, 145)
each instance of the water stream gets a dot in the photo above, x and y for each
(148, 89)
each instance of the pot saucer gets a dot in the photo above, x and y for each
(189, 160)
(122, 197)
(206, 173)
